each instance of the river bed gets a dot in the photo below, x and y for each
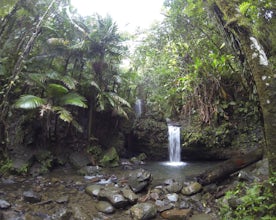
(63, 189)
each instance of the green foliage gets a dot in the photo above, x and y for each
(253, 201)
(5, 166)
(57, 97)
(29, 102)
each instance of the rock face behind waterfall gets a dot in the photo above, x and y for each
(150, 135)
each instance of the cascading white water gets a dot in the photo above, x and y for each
(138, 107)
(174, 145)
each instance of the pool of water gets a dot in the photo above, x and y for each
(182, 171)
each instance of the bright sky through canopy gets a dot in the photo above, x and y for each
(128, 14)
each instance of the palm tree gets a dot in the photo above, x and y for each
(55, 98)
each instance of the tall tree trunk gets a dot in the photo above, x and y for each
(256, 59)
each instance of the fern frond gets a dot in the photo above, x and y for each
(56, 90)
(29, 102)
(73, 99)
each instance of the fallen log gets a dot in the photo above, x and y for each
(224, 169)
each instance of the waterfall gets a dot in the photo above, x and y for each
(174, 144)
(138, 108)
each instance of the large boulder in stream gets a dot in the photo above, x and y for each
(110, 158)
(139, 180)
(114, 196)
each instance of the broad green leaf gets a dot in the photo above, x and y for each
(73, 99)
(54, 90)
(64, 114)
(29, 102)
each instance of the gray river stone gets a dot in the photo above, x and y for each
(93, 190)
(105, 207)
(63, 199)
(114, 196)
(174, 187)
(191, 189)
(4, 204)
(130, 195)
(143, 211)
(79, 160)
(173, 197)
(139, 180)
(31, 197)
(176, 214)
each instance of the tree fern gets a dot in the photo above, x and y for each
(29, 102)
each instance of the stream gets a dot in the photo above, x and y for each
(63, 191)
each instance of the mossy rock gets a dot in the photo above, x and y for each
(110, 158)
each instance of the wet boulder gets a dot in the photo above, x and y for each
(114, 196)
(63, 199)
(139, 180)
(110, 158)
(31, 197)
(4, 204)
(78, 160)
(174, 187)
(143, 211)
(93, 190)
(90, 170)
(105, 207)
(130, 195)
(191, 189)
(173, 197)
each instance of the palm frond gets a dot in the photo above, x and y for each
(77, 125)
(120, 112)
(73, 99)
(109, 98)
(66, 80)
(119, 99)
(54, 90)
(69, 82)
(94, 84)
(36, 78)
(64, 114)
(29, 102)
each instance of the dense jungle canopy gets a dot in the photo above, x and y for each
(212, 59)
